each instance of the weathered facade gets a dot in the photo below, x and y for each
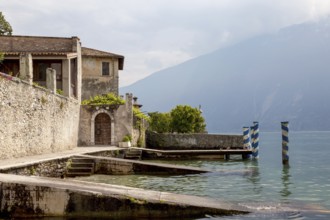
(105, 125)
(100, 72)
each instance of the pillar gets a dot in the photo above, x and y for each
(255, 142)
(26, 67)
(246, 141)
(51, 79)
(285, 142)
(66, 78)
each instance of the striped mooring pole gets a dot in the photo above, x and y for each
(246, 141)
(255, 140)
(285, 142)
(246, 138)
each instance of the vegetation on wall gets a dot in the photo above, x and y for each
(59, 91)
(140, 120)
(107, 99)
(140, 115)
(181, 119)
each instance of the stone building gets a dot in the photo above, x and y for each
(59, 72)
(28, 58)
(103, 125)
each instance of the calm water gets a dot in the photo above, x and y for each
(299, 192)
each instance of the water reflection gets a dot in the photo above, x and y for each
(285, 192)
(254, 175)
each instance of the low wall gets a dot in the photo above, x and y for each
(117, 166)
(52, 168)
(35, 121)
(193, 141)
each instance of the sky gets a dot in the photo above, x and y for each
(157, 34)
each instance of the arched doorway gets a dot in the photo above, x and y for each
(102, 129)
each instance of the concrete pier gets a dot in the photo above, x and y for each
(23, 196)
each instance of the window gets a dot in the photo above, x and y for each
(105, 69)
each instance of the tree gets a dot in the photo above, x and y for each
(160, 122)
(5, 27)
(186, 119)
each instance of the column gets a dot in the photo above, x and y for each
(51, 79)
(26, 67)
(66, 78)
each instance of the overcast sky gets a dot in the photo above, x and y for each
(156, 34)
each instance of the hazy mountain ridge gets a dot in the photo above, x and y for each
(270, 78)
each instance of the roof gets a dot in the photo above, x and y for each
(13, 45)
(88, 52)
(50, 46)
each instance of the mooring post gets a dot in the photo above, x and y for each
(255, 140)
(285, 142)
(246, 141)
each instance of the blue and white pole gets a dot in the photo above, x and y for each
(246, 138)
(285, 142)
(246, 141)
(255, 140)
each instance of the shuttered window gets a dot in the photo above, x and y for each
(105, 69)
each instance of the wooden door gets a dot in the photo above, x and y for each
(102, 129)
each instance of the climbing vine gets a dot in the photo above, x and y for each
(139, 123)
(107, 99)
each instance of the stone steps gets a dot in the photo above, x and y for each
(134, 154)
(80, 167)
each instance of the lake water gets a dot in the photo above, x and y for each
(301, 191)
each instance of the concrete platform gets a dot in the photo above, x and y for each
(32, 196)
(79, 198)
(28, 160)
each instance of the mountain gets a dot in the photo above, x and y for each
(270, 78)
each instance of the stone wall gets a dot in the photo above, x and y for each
(35, 121)
(193, 141)
(53, 168)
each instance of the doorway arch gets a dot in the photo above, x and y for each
(102, 128)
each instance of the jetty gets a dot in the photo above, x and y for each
(32, 194)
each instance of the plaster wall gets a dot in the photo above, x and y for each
(93, 83)
(34, 120)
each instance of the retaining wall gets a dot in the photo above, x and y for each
(193, 141)
(118, 166)
(34, 121)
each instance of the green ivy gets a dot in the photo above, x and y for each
(140, 115)
(107, 99)
(59, 91)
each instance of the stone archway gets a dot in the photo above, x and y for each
(102, 128)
